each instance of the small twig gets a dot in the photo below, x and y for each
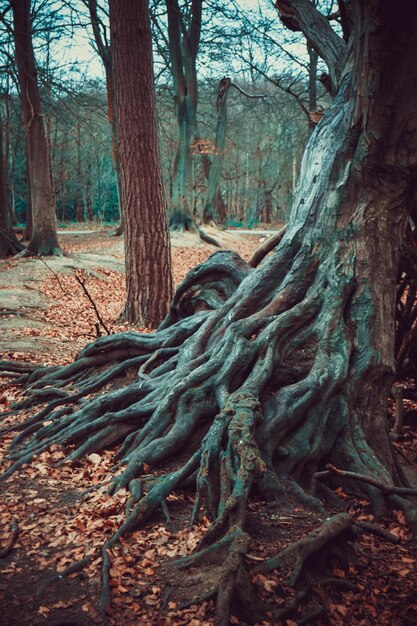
(14, 531)
(67, 293)
(82, 283)
(388, 489)
(100, 319)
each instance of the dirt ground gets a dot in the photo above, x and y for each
(64, 513)
(43, 311)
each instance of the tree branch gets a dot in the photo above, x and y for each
(301, 15)
(174, 38)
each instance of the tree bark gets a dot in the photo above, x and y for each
(147, 244)
(266, 376)
(103, 48)
(210, 205)
(9, 245)
(183, 49)
(44, 236)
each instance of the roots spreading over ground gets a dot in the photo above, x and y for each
(253, 380)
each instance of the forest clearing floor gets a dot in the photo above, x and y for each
(64, 513)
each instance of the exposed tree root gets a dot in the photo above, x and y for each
(208, 238)
(296, 554)
(262, 251)
(255, 378)
(388, 489)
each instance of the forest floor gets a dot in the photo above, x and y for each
(65, 514)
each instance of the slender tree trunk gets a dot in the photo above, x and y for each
(182, 198)
(220, 204)
(210, 205)
(267, 207)
(147, 244)
(44, 236)
(183, 48)
(105, 54)
(79, 182)
(9, 244)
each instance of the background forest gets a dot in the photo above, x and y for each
(265, 135)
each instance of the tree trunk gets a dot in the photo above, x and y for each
(182, 198)
(79, 182)
(267, 208)
(44, 236)
(112, 114)
(221, 206)
(210, 205)
(9, 245)
(265, 376)
(147, 244)
(105, 54)
(183, 48)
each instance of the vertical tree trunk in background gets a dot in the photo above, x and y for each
(221, 205)
(6, 149)
(79, 183)
(89, 191)
(209, 213)
(266, 211)
(44, 236)
(147, 244)
(183, 48)
(104, 51)
(9, 244)
(112, 115)
(63, 177)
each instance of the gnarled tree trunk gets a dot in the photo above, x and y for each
(279, 370)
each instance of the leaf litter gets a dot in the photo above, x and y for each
(65, 514)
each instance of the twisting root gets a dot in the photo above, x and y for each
(297, 553)
(255, 379)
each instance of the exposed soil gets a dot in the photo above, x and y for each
(43, 311)
(64, 513)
